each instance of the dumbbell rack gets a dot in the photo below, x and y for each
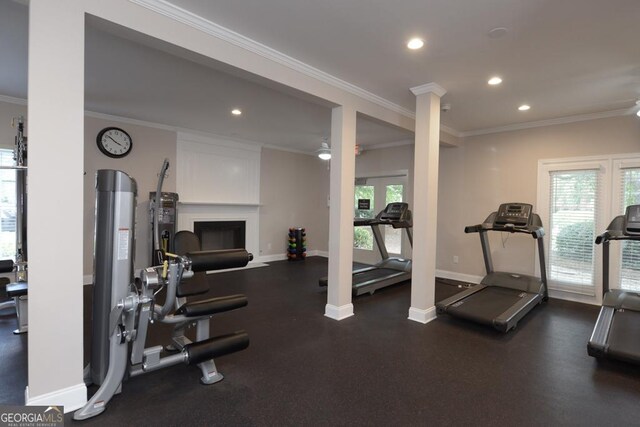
(297, 248)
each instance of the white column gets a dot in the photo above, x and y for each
(425, 201)
(343, 158)
(55, 215)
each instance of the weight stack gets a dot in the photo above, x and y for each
(297, 248)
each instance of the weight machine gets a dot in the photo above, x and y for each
(124, 306)
(17, 291)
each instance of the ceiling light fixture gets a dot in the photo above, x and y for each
(495, 81)
(236, 112)
(524, 107)
(324, 152)
(497, 32)
(638, 112)
(415, 43)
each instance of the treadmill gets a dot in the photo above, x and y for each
(390, 270)
(616, 334)
(502, 299)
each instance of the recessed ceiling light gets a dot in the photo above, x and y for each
(524, 107)
(638, 112)
(415, 43)
(236, 112)
(495, 81)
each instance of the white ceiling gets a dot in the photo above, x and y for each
(564, 58)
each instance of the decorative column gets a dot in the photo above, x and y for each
(341, 189)
(425, 201)
(55, 198)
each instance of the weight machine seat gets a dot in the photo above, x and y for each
(17, 289)
(186, 241)
(212, 306)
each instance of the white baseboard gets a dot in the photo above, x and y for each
(461, 277)
(283, 256)
(569, 296)
(272, 258)
(338, 313)
(252, 264)
(422, 316)
(71, 398)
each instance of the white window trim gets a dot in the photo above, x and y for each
(610, 167)
(615, 254)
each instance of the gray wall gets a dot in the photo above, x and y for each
(293, 193)
(475, 178)
(293, 189)
(491, 169)
(150, 147)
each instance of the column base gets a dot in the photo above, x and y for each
(71, 398)
(338, 313)
(422, 316)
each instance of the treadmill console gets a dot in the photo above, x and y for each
(395, 212)
(632, 221)
(514, 215)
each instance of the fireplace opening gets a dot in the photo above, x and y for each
(220, 234)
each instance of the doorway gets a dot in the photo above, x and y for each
(372, 194)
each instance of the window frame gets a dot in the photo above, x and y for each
(615, 254)
(610, 167)
(545, 167)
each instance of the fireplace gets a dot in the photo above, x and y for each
(190, 214)
(220, 234)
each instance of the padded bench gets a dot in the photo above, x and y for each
(17, 289)
(212, 306)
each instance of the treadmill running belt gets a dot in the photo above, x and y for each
(374, 274)
(486, 305)
(624, 336)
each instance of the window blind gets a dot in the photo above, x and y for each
(573, 206)
(629, 191)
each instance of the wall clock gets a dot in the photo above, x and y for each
(114, 142)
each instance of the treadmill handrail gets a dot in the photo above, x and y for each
(615, 231)
(609, 235)
(535, 231)
(365, 222)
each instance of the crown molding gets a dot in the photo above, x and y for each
(393, 144)
(13, 100)
(183, 16)
(129, 121)
(451, 131)
(549, 122)
(434, 88)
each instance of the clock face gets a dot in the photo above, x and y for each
(114, 142)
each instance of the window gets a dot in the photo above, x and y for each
(573, 197)
(627, 181)
(577, 199)
(7, 206)
(363, 236)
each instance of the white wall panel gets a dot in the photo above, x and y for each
(217, 170)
